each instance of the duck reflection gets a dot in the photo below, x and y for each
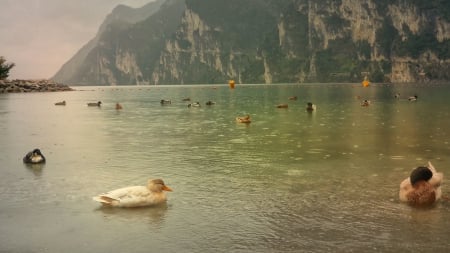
(35, 168)
(154, 215)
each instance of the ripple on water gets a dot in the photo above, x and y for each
(287, 182)
(397, 157)
(315, 151)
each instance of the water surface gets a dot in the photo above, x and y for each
(290, 181)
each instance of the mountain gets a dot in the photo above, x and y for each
(268, 41)
(70, 72)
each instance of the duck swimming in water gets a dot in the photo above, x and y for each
(61, 103)
(195, 104)
(422, 187)
(310, 107)
(99, 103)
(365, 102)
(413, 98)
(244, 119)
(282, 106)
(34, 157)
(135, 196)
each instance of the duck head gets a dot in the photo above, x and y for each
(157, 185)
(37, 152)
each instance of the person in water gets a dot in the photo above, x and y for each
(422, 187)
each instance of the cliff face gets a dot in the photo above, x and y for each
(270, 41)
(71, 71)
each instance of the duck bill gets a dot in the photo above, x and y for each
(167, 188)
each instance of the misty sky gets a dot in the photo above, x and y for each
(39, 36)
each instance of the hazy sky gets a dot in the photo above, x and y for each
(39, 36)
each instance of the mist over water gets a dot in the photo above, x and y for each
(290, 181)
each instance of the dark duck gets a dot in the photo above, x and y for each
(34, 157)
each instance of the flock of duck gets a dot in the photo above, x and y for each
(310, 107)
(194, 104)
(91, 104)
(366, 102)
(421, 188)
(132, 196)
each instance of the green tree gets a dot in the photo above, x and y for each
(5, 68)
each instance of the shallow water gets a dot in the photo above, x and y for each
(290, 181)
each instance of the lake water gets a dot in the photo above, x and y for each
(291, 181)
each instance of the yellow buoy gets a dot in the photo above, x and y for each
(365, 83)
(231, 84)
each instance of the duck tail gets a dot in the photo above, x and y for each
(104, 199)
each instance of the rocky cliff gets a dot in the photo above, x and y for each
(270, 41)
(71, 71)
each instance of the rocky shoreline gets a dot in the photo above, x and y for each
(19, 86)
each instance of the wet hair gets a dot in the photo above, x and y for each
(419, 174)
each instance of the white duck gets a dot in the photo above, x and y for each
(413, 98)
(136, 196)
(422, 187)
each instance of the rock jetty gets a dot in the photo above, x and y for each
(18, 86)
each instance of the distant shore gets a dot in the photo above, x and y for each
(20, 86)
